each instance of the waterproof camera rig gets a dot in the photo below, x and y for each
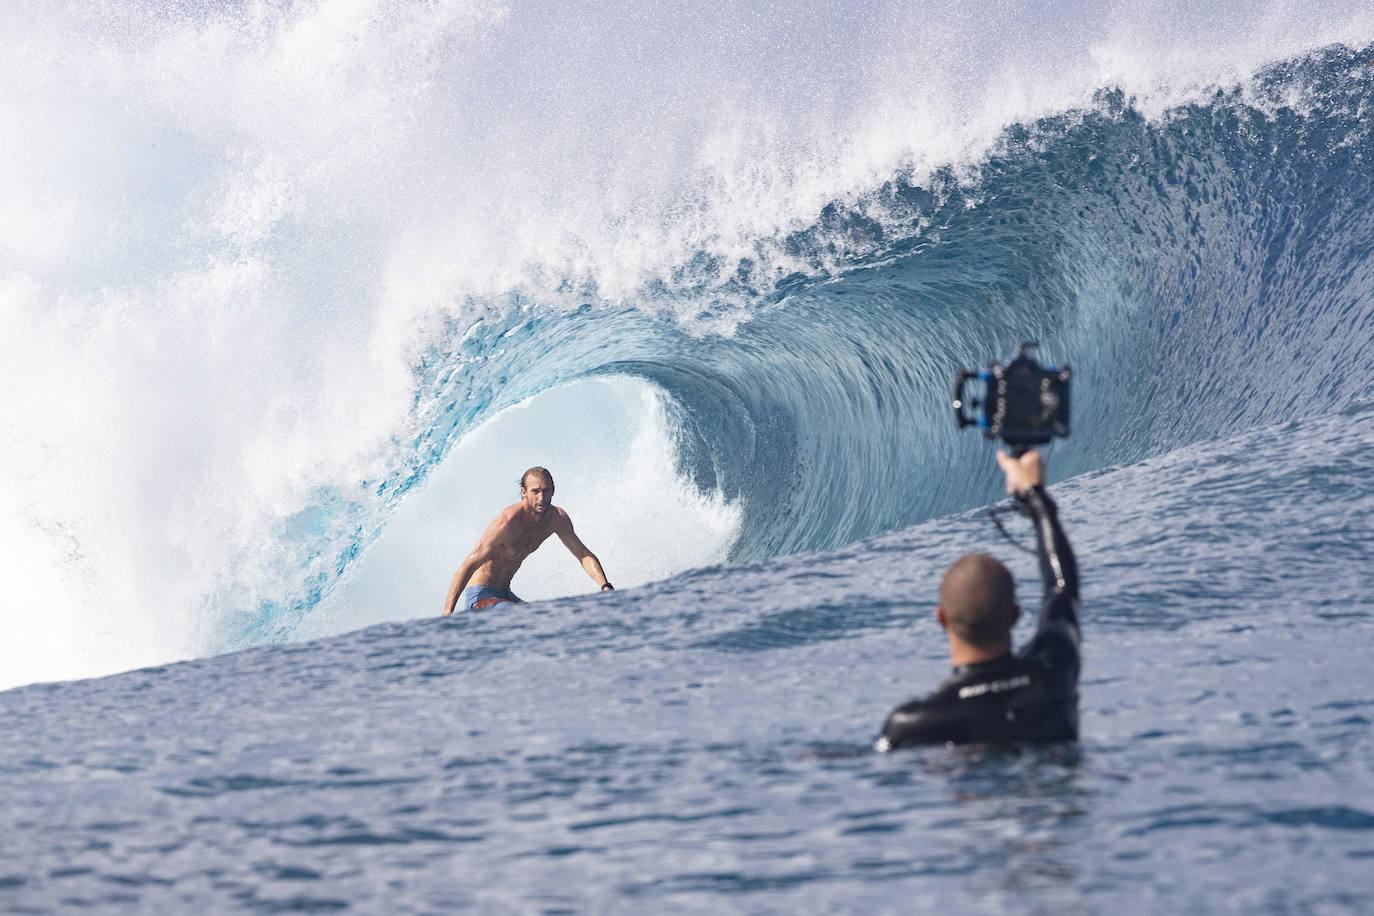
(1023, 402)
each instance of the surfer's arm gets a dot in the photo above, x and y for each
(578, 549)
(460, 580)
(482, 553)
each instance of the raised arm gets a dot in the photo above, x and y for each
(578, 549)
(1058, 567)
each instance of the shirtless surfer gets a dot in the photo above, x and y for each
(484, 578)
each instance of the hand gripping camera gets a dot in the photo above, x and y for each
(1023, 402)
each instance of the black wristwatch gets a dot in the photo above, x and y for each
(606, 586)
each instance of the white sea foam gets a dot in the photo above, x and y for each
(227, 230)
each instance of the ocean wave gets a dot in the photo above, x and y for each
(266, 266)
(1205, 271)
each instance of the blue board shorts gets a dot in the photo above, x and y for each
(475, 593)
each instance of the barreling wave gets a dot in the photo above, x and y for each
(255, 221)
(1204, 272)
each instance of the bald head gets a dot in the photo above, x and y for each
(979, 600)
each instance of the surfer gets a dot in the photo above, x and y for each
(483, 580)
(995, 695)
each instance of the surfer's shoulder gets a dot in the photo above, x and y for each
(507, 515)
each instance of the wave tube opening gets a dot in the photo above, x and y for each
(610, 444)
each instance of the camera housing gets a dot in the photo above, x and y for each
(1023, 402)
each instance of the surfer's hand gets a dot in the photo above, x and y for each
(1024, 473)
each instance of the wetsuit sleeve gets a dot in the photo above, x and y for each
(1058, 568)
(912, 723)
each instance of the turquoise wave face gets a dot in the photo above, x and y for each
(1204, 272)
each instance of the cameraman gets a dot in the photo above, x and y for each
(995, 695)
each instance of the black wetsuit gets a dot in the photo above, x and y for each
(1030, 695)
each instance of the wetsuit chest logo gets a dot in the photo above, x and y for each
(978, 690)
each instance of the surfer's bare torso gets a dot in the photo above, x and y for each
(512, 537)
(515, 533)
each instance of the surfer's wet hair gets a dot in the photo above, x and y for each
(542, 473)
(979, 599)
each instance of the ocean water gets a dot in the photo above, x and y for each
(704, 743)
(290, 293)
